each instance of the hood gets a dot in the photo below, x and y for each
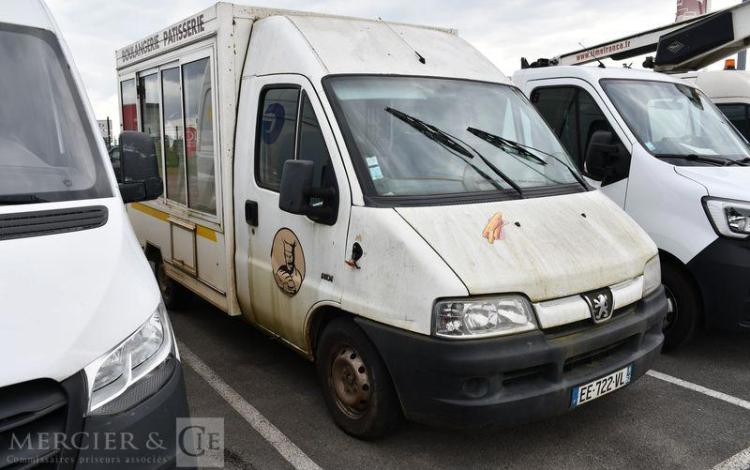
(731, 182)
(69, 298)
(547, 249)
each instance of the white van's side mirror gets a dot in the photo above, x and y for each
(606, 158)
(138, 172)
(296, 193)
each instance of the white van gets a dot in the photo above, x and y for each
(87, 347)
(730, 92)
(386, 203)
(661, 150)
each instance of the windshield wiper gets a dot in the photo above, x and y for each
(502, 143)
(691, 157)
(741, 162)
(12, 199)
(450, 142)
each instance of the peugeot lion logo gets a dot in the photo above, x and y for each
(600, 305)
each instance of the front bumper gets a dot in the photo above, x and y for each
(722, 271)
(149, 430)
(512, 380)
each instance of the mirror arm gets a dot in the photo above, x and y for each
(322, 193)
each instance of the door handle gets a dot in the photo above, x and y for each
(251, 213)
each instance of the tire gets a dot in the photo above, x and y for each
(685, 312)
(174, 295)
(356, 385)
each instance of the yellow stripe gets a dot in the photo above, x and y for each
(201, 231)
(205, 232)
(150, 211)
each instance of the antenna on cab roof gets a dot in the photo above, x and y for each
(420, 57)
(601, 64)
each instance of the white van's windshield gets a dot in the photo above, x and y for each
(47, 150)
(676, 121)
(414, 136)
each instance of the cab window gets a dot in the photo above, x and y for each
(276, 136)
(287, 130)
(739, 115)
(575, 117)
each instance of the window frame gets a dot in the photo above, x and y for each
(746, 107)
(593, 94)
(369, 193)
(177, 59)
(259, 123)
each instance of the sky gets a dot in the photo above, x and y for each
(503, 30)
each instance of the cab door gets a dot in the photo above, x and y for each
(581, 120)
(286, 264)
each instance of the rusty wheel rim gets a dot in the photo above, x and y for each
(350, 382)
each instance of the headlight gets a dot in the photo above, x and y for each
(113, 374)
(477, 318)
(729, 218)
(651, 275)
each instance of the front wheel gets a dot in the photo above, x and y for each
(356, 385)
(683, 307)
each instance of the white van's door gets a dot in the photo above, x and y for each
(578, 115)
(285, 263)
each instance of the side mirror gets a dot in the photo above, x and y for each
(296, 193)
(606, 158)
(138, 174)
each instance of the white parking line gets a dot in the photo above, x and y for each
(291, 453)
(740, 461)
(700, 389)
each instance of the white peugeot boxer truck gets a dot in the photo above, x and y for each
(89, 358)
(383, 200)
(660, 149)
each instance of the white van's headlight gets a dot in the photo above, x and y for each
(113, 374)
(651, 275)
(729, 218)
(476, 318)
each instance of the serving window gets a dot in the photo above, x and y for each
(174, 105)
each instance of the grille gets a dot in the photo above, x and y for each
(31, 413)
(598, 354)
(39, 223)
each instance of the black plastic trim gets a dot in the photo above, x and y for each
(515, 379)
(51, 222)
(703, 36)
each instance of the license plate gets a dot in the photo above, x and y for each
(600, 387)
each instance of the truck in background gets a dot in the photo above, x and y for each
(659, 148)
(387, 204)
(88, 350)
(729, 89)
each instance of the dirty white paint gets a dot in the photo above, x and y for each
(401, 275)
(555, 252)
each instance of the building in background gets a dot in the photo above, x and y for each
(105, 128)
(687, 9)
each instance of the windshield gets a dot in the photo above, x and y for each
(47, 152)
(675, 120)
(428, 136)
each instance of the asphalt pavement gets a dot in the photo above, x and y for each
(692, 413)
